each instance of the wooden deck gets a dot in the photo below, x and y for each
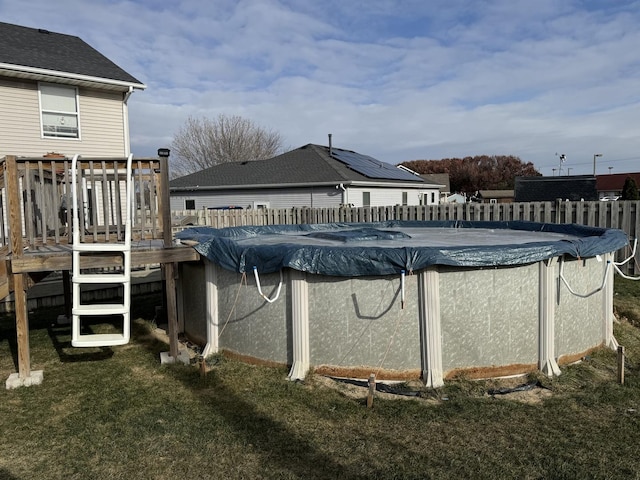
(35, 219)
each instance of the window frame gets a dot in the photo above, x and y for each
(186, 203)
(53, 135)
(366, 199)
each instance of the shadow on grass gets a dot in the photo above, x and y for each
(9, 334)
(4, 475)
(281, 448)
(61, 339)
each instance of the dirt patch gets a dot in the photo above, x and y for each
(519, 390)
(514, 389)
(358, 389)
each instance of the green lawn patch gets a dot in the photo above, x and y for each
(116, 413)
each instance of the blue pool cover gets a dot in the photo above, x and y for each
(387, 248)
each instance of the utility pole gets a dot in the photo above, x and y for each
(594, 162)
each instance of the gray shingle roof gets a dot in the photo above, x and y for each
(41, 49)
(307, 165)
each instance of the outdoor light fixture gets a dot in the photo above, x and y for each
(594, 162)
(163, 152)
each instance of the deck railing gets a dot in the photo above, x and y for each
(36, 199)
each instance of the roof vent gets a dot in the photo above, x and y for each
(42, 30)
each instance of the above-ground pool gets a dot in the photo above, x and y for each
(402, 299)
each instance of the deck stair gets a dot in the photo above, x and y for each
(82, 276)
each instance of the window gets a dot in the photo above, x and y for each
(493, 200)
(433, 197)
(366, 199)
(404, 198)
(59, 109)
(189, 204)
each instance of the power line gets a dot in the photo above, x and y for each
(590, 162)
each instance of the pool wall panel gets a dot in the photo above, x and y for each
(489, 317)
(248, 325)
(360, 322)
(578, 321)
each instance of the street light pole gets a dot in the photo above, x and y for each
(594, 162)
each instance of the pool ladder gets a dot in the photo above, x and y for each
(79, 277)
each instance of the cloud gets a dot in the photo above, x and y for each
(421, 80)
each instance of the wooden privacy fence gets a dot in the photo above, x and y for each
(624, 215)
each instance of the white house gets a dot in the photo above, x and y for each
(313, 176)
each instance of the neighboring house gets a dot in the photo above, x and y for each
(549, 189)
(610, 186)
(495, 196)
(456, 198)
(442, 179)
(310, 176)
(60, 95)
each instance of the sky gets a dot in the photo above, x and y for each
(397, 80)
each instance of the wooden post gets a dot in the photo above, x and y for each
(66, 290)
(22, 326)
(372, 390)
(620, 364)
(15, 233)
(169, 269)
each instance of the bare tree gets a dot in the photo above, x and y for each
(204, 142)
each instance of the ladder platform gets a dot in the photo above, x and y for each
(100, 309)
(101, 278)
(101, 247)
(100, 340)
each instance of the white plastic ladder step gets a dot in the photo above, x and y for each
(101, 247)
(100, 309)
(101, 278)
(100, 340)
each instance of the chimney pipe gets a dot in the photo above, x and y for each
(330, 146)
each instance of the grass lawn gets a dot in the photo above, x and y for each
(115, 413)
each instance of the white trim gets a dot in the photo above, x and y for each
(299, 325)
(546, 317)
(430, 328)
(211, 299)
(607, 308)
(71, 76)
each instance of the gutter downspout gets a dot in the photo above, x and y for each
(125, 120)
(345, 194)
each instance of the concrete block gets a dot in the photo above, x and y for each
(183, 357)
(14, 380)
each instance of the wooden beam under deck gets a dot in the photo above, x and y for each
(60, 259)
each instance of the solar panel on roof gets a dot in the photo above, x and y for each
(372, 168)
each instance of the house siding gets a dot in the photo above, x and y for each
(383, 197)
(316, 197)
(102, 131)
